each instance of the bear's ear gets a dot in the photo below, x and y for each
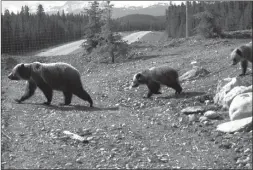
(138, 76)
(239, 52)
(22, 65)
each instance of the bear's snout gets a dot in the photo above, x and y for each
(134, 84)
(12, 77)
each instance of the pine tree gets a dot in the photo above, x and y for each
(93, 28)
(112, 42)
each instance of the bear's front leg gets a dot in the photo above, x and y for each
(244, 66)
(29, 91)
(149, 94)
(48, 92)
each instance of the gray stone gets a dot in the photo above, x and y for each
(195, 72)
(193, 109)
(241, 106)
(192, 117)
(210, 114)
(235, 125)
(202, 118)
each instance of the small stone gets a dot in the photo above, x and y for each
(79, 160)
(247, 150)
(207, 102)
(144, 149)
(237, 150)
(247, 159)
(247, 165)
(192, 117)
(90, 138)
(142, 105)
(192, 110)
(210, 114)
(206, 122)
(68, 164)
(174, 125)
(202, 118)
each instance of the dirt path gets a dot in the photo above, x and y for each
(135, 36)
(123, 129)
(73, 46)
(62, 50)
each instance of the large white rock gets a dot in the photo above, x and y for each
(233, 93)
(235, 125)
(241, 106)
(224, 87)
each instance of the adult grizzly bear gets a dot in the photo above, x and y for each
(48, 77)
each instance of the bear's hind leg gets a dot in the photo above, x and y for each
(81, 93)
(177, 88)
(244, 66)
(154, 88)
(48, 92)
(67, 98)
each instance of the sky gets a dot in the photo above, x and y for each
(15, 6)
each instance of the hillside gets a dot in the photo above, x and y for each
(125, 130)
(142, 22)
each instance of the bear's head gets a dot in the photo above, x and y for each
(138, 79)
(236, 56)
(20, 72)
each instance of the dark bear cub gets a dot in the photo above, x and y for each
(242, 54)
(48, 77)
(155, 77)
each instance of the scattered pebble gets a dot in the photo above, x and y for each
(68, 164)
(211, 114)
(247, 150)
(192, 117)
(202, 118)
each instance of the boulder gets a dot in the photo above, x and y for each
(234, 92)
(224, 87)
(235, 125)
(241, 106)
(194, 73)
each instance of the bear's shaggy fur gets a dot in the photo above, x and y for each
(48, 77)
(242, 54)
(155, 77)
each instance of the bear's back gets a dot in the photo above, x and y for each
(57, 75)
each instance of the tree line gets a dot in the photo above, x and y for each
(139, 22)
(25, 31)
(216, 16)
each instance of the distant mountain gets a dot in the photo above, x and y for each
(155, 10)
(77, 7)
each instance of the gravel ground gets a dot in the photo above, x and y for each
(125, 130)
